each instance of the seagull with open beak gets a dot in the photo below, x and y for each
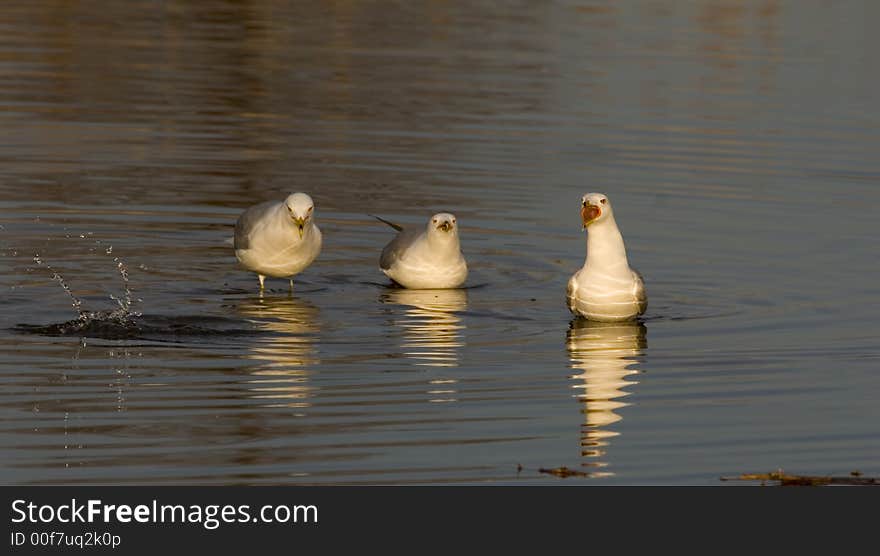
(605, 288)
(426, 259)
(278, 239)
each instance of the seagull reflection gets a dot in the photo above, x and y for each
(432, 332)
(606, 353)
(287, 351)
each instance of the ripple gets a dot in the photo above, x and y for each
(121, 325)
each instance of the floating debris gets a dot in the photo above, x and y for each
(781, 478)
(565, 472)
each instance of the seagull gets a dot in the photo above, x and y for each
(278, 239)
(606, 288)
(425, 259)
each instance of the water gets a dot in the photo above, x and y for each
(738, 142)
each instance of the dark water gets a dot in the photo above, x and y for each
(738, 140)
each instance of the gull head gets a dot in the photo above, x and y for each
(595, 207)
(300, 207)
(443, 224)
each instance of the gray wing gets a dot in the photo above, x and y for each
(395, 250)
(640, 293)
(248, 221)
(397, 227)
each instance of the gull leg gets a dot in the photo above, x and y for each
(291, 284)
(262, 279)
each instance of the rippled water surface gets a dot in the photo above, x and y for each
(738, 141)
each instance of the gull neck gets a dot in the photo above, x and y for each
(605, 245)
(437, 241)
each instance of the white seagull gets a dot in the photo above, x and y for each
(606, 288)
(278, 239)
(425, 259)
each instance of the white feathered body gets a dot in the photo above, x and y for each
(416, 260)
(606, 288)
(268, 242)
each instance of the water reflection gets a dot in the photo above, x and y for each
(287, 352)
(432, 333)
(606, 354)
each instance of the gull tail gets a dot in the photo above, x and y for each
(397, 227)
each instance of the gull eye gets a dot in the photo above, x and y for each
(603, 201)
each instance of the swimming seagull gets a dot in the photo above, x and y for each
(278, 239)
(425, 259)
(606, 288)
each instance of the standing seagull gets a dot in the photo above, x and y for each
(606, 288)
(427, 259)
(278, 239)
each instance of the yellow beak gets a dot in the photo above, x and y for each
(300, 225)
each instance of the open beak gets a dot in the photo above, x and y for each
(589, 213)
(446, 226)
(300, 225)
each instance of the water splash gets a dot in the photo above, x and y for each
(123, 322)
(122, 317)
(126, 300)
(74, 300)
